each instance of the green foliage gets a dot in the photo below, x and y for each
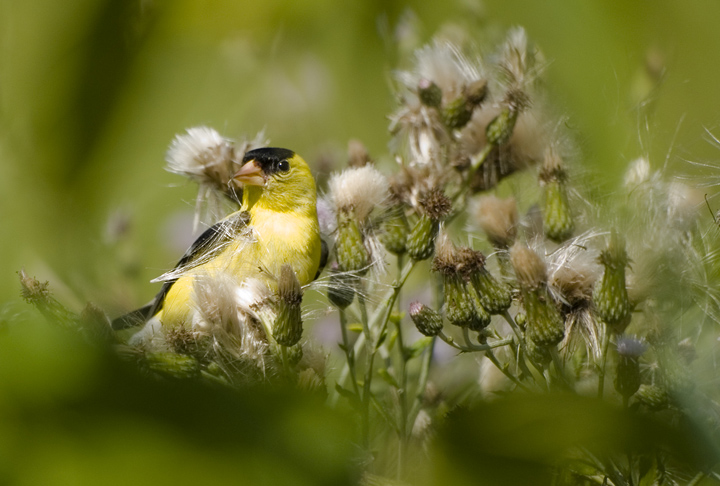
(92, 93)
(75, 414)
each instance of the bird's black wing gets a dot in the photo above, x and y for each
(324, 254)
(209, 242)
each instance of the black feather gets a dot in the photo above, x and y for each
(208, 243)
(324, 254)
(268, 158)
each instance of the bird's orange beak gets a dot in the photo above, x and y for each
(250, 174)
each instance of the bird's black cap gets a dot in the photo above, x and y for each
(268, 158)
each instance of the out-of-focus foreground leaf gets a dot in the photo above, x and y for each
(71, 414)
(517, 440)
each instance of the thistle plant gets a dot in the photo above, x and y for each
(542, 296)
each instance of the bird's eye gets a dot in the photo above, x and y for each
(283, 166)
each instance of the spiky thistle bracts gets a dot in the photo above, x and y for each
(610, 295)
(545, 326)
(558, 223)
(354, 194)
(434, 206)
(462, 306)
(288, 327)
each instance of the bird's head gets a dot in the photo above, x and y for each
(277, 179)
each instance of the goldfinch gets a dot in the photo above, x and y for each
(276, 224)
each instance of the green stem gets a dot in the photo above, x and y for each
(349, 352)
(370, 358)
(470, 347)
(374, 329)
(559, 367)
(491, 356)
(402, 399)
(422, 385)
(476, 164)
(523, 347)
(382, 314)
(345, 372)
(603, 362)
(402, 391)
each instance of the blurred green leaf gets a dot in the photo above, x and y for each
(519, 438)
(71, 414)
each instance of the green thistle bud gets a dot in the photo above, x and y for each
(544, 324)
(627, 377)
(653, 397)
(294, 354)
(521, 320)
(500, 129)
(427, 321)
(421, 241)
(341, 288)
(429, 93)
(458, 304)
(38, 294)
(394, 233)
(494, 296)
(434, 207)
(288, 323)
(457, 113)
(173, 365)
(539, 355)
(610, 293)
(481, 318)
(557, 218)
(351, 252)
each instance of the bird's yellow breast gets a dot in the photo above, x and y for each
(277, 238)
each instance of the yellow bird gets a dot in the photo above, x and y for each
(276, 224)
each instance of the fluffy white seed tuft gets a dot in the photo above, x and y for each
(358, 191)
(197, 150)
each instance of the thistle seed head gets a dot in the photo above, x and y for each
(435, 204)
(497, 218)
(529, 267)
(358, 155)
(357, 191)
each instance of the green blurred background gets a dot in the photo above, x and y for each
(92, 93)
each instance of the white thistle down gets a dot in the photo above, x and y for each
(419, 126)
(233, 314)
(198, 150)
(210, 160)
(358, 190)
(444, 64)
(354, 194)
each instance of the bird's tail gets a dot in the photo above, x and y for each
(133, 318)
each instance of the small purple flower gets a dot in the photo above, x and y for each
(630, 347)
